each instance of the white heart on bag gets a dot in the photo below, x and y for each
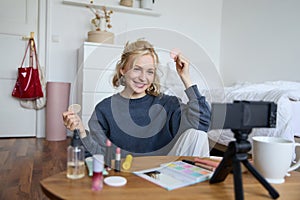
(24, 74)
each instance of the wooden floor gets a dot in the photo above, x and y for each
(26, 161)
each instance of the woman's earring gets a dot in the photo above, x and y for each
(151, 87)
(122, 80)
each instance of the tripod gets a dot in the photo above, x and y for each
(236, 153)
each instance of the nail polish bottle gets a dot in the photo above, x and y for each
(127, 162)
(98, 165)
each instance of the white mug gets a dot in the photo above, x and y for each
(272, 157)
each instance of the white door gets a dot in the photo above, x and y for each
(17, 18)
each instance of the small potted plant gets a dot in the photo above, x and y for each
(101, 22)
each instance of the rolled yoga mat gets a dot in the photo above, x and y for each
(57, 102)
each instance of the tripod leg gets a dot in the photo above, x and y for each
(273, 193)
(238, 183)
(225, 166)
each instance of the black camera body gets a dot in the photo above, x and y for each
(243, 115)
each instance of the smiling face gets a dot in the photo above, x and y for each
(138, 77)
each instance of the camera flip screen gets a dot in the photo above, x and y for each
(243, 115)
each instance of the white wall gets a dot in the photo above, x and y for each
(199, 20)
(253, 41)
(260, 40)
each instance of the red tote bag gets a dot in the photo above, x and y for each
(28, 84)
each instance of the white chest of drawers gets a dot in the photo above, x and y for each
(96, 67)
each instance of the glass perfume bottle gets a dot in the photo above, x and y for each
(75, 163)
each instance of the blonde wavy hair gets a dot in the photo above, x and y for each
(135, 50)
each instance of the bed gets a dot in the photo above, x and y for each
(284, 93)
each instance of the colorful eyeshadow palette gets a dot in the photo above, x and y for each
(175, 175)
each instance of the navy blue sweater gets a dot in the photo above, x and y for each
(149, 123)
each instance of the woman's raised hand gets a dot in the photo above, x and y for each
(182, 67)
(72, 121)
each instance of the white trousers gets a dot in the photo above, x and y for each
(192, 142)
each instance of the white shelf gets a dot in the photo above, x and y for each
(119, 8)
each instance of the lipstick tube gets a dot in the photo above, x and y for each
(118, 160)
(108, 154)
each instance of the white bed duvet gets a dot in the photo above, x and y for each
(285, 94)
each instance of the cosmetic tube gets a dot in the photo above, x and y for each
(118, 160)
(108, 154)
(98, 165)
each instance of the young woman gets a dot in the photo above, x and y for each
(141, 120)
